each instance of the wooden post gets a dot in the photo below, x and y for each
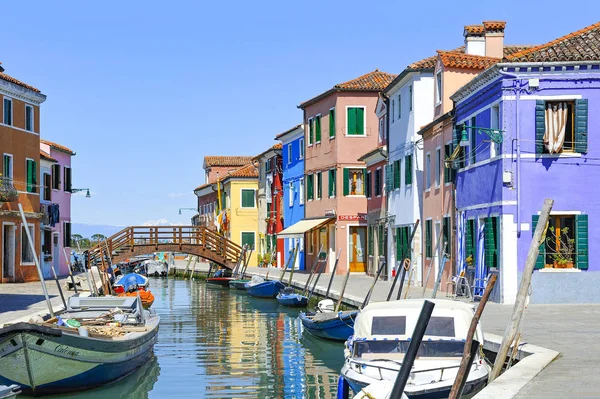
(437, 245)
(312, 272)
(70, 272)
(333, 272)
(512, 328)
(379, 270)
(467, 359)
(293, 263)
(339, 302)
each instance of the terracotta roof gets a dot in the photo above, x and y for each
(245, 171)
(219, 160)
(426, 63)
(17, 82)
(474, 29)
(58, 147)
(491, 26)
(466, 61)
(582, 45)
(46, 156)
(372, 81)
(280, 135)
(202, 186)
(277, 146)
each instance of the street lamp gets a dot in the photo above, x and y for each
(494, 134)
(186, 209)
(76, 190)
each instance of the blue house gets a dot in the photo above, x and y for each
(526, 135)
(292, 150)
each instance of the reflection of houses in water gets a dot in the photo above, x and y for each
(319, 381)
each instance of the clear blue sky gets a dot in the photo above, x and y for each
(143, 90)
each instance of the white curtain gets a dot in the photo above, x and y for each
(268, 189)
(556, 121)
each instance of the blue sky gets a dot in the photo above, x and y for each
(142, 91)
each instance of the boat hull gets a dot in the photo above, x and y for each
(266, 289)
(222, 281)
(336, 328)
(238, 284)
(292, 300)
(45, 361)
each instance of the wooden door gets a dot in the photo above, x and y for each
(357, 249)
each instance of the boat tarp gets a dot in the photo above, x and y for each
(132, 279)
(298, 229)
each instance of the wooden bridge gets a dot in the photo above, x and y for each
(140, 240)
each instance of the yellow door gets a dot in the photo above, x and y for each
(357, 240)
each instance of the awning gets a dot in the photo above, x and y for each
(298, 229)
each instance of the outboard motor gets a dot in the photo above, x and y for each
(326, 305)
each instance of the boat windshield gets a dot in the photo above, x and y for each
(396, 349)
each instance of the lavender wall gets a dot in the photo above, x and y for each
(63, 199)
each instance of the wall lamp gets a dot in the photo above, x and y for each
(186, 209)
(76, 190)
(495, 134)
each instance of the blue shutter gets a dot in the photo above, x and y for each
(581, 125)
(581, 241)
(540, 125)
(540, 262)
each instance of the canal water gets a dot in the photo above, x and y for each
(217, 343)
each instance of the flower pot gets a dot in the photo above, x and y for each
(563, 265)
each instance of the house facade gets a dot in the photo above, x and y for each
(20, 150)
(340, 125)
(292, 152)
(55, 199)
(270, 204)
(542, 145)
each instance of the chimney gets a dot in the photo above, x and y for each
(474, 39)
(494, 38)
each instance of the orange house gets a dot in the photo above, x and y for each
(20, 151)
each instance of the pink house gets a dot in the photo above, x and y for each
(55, 203)
(341, 125)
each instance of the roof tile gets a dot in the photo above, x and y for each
(245, 171)
(475, 29)
(45, 155)
(10, 79)
(374, 81)
(494, 26)
(58, 147)
(452, 59)
(226, 160)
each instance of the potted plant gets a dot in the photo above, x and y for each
(563, 257)
(259, 259)
(470, 260)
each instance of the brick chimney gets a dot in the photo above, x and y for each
(474, 39)
(494, 38)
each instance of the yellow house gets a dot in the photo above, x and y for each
(240, 188)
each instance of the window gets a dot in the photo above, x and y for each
(378, 182)
(47, 187)
(428, 171)
(318, 129)
(491, 242)
(291, 193)
(438, 88)
(319, 184)
(56, 177)
(428, 244)
(566, 243)
(438, 166)
(381, 240)
(331, 183)
(448, 171)
(393, 111)
(471, 241)
(289, 153)
(368, 184)
(67, 174)
(301, 144)
(396, 172)
(472, 142)
(248, 198)
(249, 238)
(47, 244)
(403, 245)
(332, 123)
(29, 118)
(311, 241)
(7, 111)
(7, 163)
(267, 166)
(354, 181)
(356, 121)
(381, 129)
(31, 168)
(67, 234)
(446, 229)
(408, 170)
(410, 98)
(399, 106)
(552, 117)
(301, 191)
(26, 253)
(370, 241)
(309, 187)
(310, 131)
(495, 124)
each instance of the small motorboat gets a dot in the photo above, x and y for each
(239, 284)
(382, 334)
(287, 297)
(335, 326)
(156, 268)
(261, 288)
(221, 277)
(129, 282)
(9, 392)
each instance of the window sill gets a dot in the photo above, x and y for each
(447, 184)
(331, 138)
(427, 190)
(557, 270)
(355, 195)
(356, 135)
(561, 155)
(27, 263)
(332, 196)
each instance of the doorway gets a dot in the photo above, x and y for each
(8, 251)
(356, 244)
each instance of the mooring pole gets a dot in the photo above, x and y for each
(368, 296)
(58, 286)
(512, 328)
(70, 272)
(333, 272)
(313, 271)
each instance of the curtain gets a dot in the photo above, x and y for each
(460, 250)
(268, 189)
(556, 121)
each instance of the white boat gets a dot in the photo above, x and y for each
(44, 358)
(156, 268)
(382, 333)
(9, 392)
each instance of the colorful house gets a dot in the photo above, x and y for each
(55, 198)
(340, 125)
(292, 151)
(525, 126)
(483, 47)
(20, 150)
(241, 206)
(270, 203)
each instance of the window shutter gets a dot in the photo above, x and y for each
(364, 173)
(408, 169)
(540, 125)
(351, 121)
(540, 262)
(456, 136)
(581, 241)
(581, 125)
(380, 240)
(396, 174)
(368, 185)
(332, 123)
(317, 129)
(34, 177)
(346, 182)
(360, 121)
(28, 166)
(488, 242)
(469, 244)
(309, 187)
(371, 244)
(398, 246)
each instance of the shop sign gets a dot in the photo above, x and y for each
(352, 217)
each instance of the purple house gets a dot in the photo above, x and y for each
(538, 141)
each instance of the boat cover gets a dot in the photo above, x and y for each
(256, 280)
(132, 279)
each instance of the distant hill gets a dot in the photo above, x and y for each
(88, 230)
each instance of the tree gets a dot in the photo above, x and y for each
(76, 237)
(96, 238)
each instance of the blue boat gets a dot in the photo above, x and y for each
(330, 325)
(287, 297)
(265, 289)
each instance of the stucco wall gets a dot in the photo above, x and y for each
(242, 220)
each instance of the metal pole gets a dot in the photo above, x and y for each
(512, 328)
(36, 260)
(333, 272)
(467, 359)
(70, 273)
(413, 348)
(368, 296)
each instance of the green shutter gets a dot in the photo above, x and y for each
(351, 121)
(408, 170)
(370, 245)
(346, 182)
(428, 249)
(389, 177)
(318, 129)
(540, 125)
(470, 241)
(446, 231)
(397, 169)
(332, 123)
(540, 262)
(248, 199)
(309, 187)
(398, 248)
(364, 173)
(581, 125)
(28, 167)
(360, 121)
(34, 177)
(380, 240)
(6, 166)
(456, 136)
(581, 241)
(319, 185)
(368, 185)
(331, 182)
(488, 242)
(496, 241)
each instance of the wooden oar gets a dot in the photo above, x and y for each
(333, 272)
(339, 302)
(319, 275)
(312, 273)
(293, 263)
(368, 296)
